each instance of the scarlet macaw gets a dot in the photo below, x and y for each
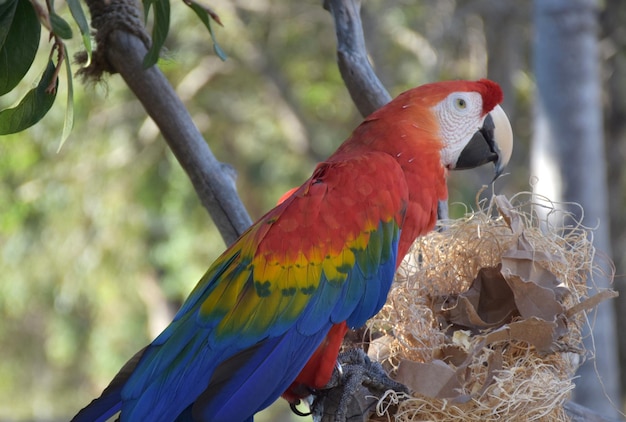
(268, 317)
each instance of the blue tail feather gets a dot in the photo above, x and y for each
(257, 379)
(101, 409)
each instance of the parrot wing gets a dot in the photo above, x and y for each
(327, 254)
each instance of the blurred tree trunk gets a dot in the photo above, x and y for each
(503, 33)
(613, 20)
(568, 159)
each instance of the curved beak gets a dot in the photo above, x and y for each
(492, 143)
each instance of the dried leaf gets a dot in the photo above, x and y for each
(538, 292)
(533, 300)
(489, 302)
(442, 379)
(495, 301)
(505, 208)
(433, 379)
(451, 353)
(495, 362)
(537, 332)
(591, 302)
(524, 249)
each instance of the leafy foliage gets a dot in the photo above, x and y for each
(20, 30)
(60, 27)
(205, 15)
(160, 29)
(81, 20)
(19, 45)
(19, 41)
(33, 106)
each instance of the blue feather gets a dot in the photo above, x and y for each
(257, 380)
(100, 409)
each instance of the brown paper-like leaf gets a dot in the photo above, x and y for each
(451, 353)
(591, 302)
(465, 314)
(496, 304)
(538, 292)
(540, 333)
(380, 348)
(489, 302)
(433, 379)
(533, 300)
(437, 379)
(505, 208)
(517, 260)
(524, 249)
(495, 363)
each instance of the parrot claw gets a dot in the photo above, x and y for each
(338, 369)
(354, 370)
(298, 412)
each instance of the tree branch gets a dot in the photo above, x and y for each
(366, 90)
(123, 48)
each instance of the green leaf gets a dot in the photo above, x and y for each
(81, 20)
(7, 12)
(33, 106)
(147, 4)
(60, 26)
(205, 17)
(68, 122)
(21, 30)
(159, 31)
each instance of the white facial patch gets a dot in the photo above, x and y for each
(459, 117)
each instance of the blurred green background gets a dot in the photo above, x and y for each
(101, 241)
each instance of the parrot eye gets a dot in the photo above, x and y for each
(460, 103)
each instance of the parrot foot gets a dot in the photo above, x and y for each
(342, 397)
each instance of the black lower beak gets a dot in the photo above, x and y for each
(481, 149)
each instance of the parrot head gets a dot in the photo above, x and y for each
(460, 120)
(474, 128)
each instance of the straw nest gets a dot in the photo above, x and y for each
(484, 320)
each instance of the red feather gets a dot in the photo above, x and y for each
(317, 372)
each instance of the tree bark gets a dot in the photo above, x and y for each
(366, 90)
(568, 160)
(613, 19)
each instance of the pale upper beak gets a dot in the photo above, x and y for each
(492, 143)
